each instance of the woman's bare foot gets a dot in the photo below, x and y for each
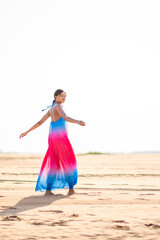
(48, 193)
(71, 192)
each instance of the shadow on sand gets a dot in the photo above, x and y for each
(31, 202)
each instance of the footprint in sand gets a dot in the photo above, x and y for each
(123, 227)
(37, 223)
(156, 226)
(11, 218)
(60, 223)
(55, 211)
(146, 194)
(74, 215)
(119, 221)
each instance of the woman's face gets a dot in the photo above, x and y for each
(61, 97)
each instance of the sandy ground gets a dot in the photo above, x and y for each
(117, 197)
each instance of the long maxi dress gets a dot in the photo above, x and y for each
(59, 166)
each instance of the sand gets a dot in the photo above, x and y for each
(117, 197)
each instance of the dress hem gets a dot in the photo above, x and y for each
(43, 190)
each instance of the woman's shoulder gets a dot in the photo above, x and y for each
(58, 106)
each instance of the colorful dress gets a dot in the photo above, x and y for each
(59, 166)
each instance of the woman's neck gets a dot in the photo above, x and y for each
(57, 102)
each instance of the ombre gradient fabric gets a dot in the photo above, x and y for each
(59, 167)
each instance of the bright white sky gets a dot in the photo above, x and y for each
(104, 54)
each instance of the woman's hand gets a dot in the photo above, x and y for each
(23, 134)
(81, 123)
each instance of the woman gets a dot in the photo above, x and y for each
(59, 166)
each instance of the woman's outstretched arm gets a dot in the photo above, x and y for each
(39, 123)
(65, 117)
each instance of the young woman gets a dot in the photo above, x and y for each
(59, 166)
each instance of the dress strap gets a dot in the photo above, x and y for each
(49, 106)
